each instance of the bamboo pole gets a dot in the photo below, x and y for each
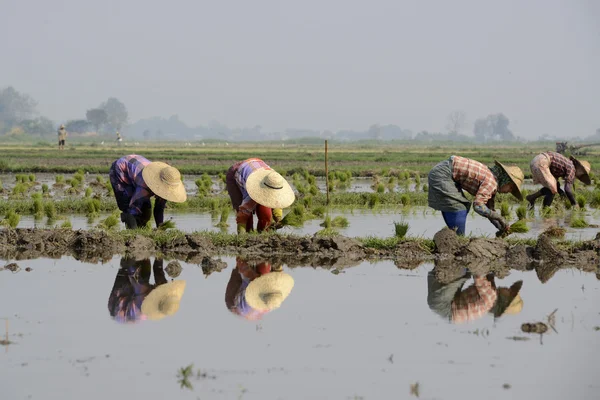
(326, 173)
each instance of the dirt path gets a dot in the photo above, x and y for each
(477, 254)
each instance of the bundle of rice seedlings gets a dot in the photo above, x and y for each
(504, 209)
(580, 201)
(578, 222)
(50, 210)
(521, 212)
(88, 192)
(373, 200)
(380, 188)
(67, 224)
(519, 227)
(224, 216)
(11, 219)
(109, 222)
(31, 178)
(555, 231)
(168, 224)
(327, 223)
(295, 217)
(400, 229)
(425, 187)
(45, 189)
(405, 200)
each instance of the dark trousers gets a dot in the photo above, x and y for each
(264, 214)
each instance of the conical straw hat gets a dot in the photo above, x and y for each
(163, 300)
(509, 301)
(269, 189)
(164, 181)
(267, 292)
(516, 176)
(582, 170)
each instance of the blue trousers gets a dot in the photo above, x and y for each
(456, 220)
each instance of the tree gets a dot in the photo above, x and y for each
(96, 117)
(78, 126)
(116, 113)
(374, 132)
(15, 107)
(38, 126)
(456, 121)
(493, 127)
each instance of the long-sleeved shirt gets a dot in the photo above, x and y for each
(128, 171)
(474, 302)
(478, 180)
(562, 167)
(62, 134)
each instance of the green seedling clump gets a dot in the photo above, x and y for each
(504, 210)
(578, 222)
(555, 231)
(519, 227)
(38, 207)
(50, 210)
(88, 192)
(110, 222)
(224, 217)
(169, 224)
(337, 222)
(521, 212)
(425, 188)
(373, 200)
(20, 189)
(66, 224)
(580, 201)
(31, 178)
(405, 200)
(59, 179)
(45, 189)
(400, 229)
(595, 201)
(11, 219)
(380, 188)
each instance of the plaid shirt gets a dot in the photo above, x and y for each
(242, 172)
(475, 178)
(128, 171)
(474, 302)
(561, 167)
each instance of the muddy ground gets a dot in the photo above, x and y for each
(477, 254)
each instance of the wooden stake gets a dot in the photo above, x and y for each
(326, 174)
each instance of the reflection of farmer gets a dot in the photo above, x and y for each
(451, 302)
(254, 187)
(254, 290)
(62, 136)
(448, 179)
(133, 298)
(135, 180)
(547, 167)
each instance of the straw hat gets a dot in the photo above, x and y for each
(582, 170)
(516, 176)
(269, 189)
(509, 301)
(164, 181)
(163, 300)
(62, 127)
(267, 292)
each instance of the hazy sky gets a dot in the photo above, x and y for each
(327, 64)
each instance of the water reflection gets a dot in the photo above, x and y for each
(449, 300)
(256, 288)
(133, 298)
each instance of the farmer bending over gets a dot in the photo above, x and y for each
(547, 167)
(135, 180)
(449, 178)
(254, 187)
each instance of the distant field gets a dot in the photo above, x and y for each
(359, 159)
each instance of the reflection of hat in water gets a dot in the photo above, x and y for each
(163, 301)
(267, 292)
(516, 176)
(268, 188)
(509, 301)
(582, 170)
(164, 181)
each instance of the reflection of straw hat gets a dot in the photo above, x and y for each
(267, 292)
(163, 301)
(516, 176)
(269, 189)
(582, 170)
(164, 181)
(509, 301)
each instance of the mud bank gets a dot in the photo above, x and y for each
(497, 255)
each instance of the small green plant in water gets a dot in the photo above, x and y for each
(521, 212)
(110, 222)
(168, 224)
(45, 189)
(578, 222)
(66, 224)
(373, 200)
(405, 200)
(50, 210)
(519, 227)
(225, 211)
(31, 178)
(580, 201)
(400, 229)
(60, 179)
(11, 219)
(380, 188)
(504, 209)
(88, 192)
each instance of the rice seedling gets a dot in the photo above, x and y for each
(20, 189)
(59, 179)
(521, 212)
(504, 210)
(311, 180)
(66, 224)
(295, 217)
(519, 227)
(380, 188)
(50, 210)
(225, 211)
(100, 179)
(110, 222)
(319, 211)
(417, 180)
(222, 177)
(168, 224)
(578, 221)
(547, 212)
(555, 231)
(326, 223)
(88, 192)
(307, 202)
(11, 219)
(31, 177)
(314, 190)
(374, 200)
(580, 201)
(405, 200)
(108, 187)
(38, 207)
(425, 188)
(595, 200)
(45, 189)
(400, 229)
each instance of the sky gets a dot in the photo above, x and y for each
(322, 65)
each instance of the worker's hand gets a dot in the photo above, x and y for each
(277, 214)
(502, 233)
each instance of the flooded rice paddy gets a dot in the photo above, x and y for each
(365, 332)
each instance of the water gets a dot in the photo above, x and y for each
(364, 333)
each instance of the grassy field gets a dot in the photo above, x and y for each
(365, 159)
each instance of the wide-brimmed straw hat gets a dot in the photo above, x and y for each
(516, 176)
(164, 181)
(269, 189)
(267, 292)
(582, 170)
(508, 302)
(163, 300)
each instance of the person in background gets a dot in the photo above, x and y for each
(135, 180)
(449, 178)
(255, 289)
(133, 298)
(62, 137)
(254, 188)
(548, 167)
(119, 138)
(451, 302)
